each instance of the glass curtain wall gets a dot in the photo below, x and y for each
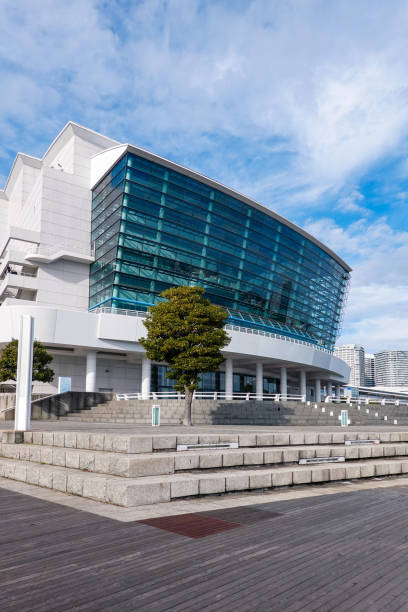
(156, 228)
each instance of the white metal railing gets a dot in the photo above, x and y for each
(212, 395)
(366, 401)
(121, 311)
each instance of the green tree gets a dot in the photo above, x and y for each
(41, 360)
(186, 331)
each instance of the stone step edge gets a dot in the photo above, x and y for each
(146, 443)
(129, 465)
(155, 489)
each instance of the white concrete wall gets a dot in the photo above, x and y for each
(119, 376)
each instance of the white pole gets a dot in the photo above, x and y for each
(303, 387)
(318, 390)
(259, 380)
(146, 377)
(283, 383)
(90, 385)
(229, 380)
(22, 419)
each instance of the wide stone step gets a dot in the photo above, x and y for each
(131, 492)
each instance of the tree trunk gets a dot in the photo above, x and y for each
(187, 406)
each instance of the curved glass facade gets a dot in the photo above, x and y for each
(155, 228)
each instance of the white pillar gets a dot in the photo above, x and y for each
(329, 388)
(146, 377)
(90, 385)
(303, 388)
(283, 382)
(318, 390)
(22, 420)
(229, 384)
(259, 381)
(338, 392)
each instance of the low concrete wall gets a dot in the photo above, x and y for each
(7, 400)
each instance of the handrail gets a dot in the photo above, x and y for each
(212, 395)
(39, 399)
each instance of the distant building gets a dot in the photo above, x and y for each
(369, 372)
(391, 368)
(353, 355)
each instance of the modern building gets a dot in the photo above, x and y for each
(92, 232)
(369, 372)
(353, 355)
(391, 369)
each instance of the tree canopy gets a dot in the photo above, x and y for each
(41, 360)
(186, 331)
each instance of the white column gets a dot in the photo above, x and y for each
(146, 377)
(90, 385)
(329, 388)
(229, 385)
(283, 382)
(259, 381)
(303, 389)
(318, 390)
(22, 420)
(338, 392)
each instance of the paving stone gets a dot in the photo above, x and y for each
(282, 478)
(367, 470)
(48, 438)
(253, 457)
(210, 460)
(247, 439)
(265, 439)
(37, 437)
(353, 471)
(184, 488)
(296, 438)
(70, 439)
(59, 438)
(147, 493)
(382, 469)
(186, 462)
(83, 440)
(45, 478)
(187, 439)
(237, 482)
(311, 437)
(281, 439)
(58, 456)
(211, 484)
(150, 466)
(338, 438)
(320, 475)
(377, 451)
(33, 474)
(94, 488)
(232, 458)
(351, 452)
(290, 455)
(59, 480)
(87, 461)
(72, 459)
(35, 454)
(45, 455)
(75, 484)
(384, 436)
(229, 437)
(337, 473)
(365, 452)
(395, 467)
(102, 463)
(96, 441)
(274, 455)
(307, 453)
(208, 438)
(260, 480)
(325, 438)
(302, 476)
(28, 437)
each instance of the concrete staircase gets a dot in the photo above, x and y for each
(210, 412)
(134, 470)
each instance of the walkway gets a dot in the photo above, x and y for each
(345, 551)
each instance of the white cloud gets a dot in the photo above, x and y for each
(377, 308)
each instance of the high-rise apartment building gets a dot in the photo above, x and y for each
(353, 355)
(369, 370)
(391, 368)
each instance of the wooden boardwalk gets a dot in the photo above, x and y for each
(333, 552)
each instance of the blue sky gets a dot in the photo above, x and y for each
(302, 105)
